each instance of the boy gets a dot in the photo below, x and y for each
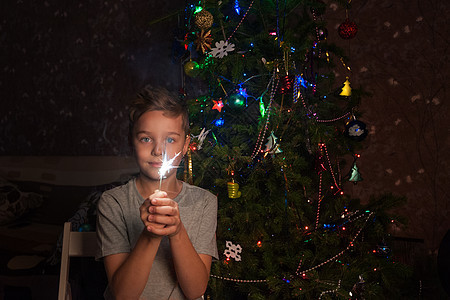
(157, 244)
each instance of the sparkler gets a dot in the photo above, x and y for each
(166, 166)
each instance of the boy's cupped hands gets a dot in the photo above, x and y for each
(160, 215)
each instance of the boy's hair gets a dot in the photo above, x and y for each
(157, 98)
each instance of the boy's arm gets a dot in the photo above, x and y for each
(192, 269)
(128, 272)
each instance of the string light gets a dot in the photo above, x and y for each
(236, 7)
(262, 109)
(345, 66)
(219, 122)
(198, 9)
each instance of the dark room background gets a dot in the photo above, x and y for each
(69, 68)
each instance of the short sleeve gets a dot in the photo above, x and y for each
(206, 241)
(112, 237)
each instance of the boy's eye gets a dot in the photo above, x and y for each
(170, 140)
(146, 139)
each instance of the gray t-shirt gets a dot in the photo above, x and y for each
(119, 226)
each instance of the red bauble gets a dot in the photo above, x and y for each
(348, 29)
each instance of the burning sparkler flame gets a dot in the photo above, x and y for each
(166, 166)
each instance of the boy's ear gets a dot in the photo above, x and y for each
(186, 144)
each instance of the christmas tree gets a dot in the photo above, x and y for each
(271, 138)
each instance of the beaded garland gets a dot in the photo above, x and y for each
(240, 22)
(238, 280)
(263, 130)
(340, 253)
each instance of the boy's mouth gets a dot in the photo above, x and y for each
(155, 164)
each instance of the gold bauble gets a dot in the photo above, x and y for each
(191, 68)
(204, 19)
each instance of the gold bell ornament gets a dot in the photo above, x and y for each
(233, 190)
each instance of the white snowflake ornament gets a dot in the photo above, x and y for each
(222, 48)
(233, 251)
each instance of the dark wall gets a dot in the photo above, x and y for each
(69, 68)
(400, 56)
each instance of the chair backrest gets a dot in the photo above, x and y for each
(75, 244)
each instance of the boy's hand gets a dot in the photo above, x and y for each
(145, 211)
(161, 215)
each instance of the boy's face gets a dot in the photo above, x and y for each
(154, 134)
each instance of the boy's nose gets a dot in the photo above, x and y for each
(158, 149)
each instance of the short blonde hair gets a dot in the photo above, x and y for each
(157, 98)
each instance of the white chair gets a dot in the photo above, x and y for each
(75, 244)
